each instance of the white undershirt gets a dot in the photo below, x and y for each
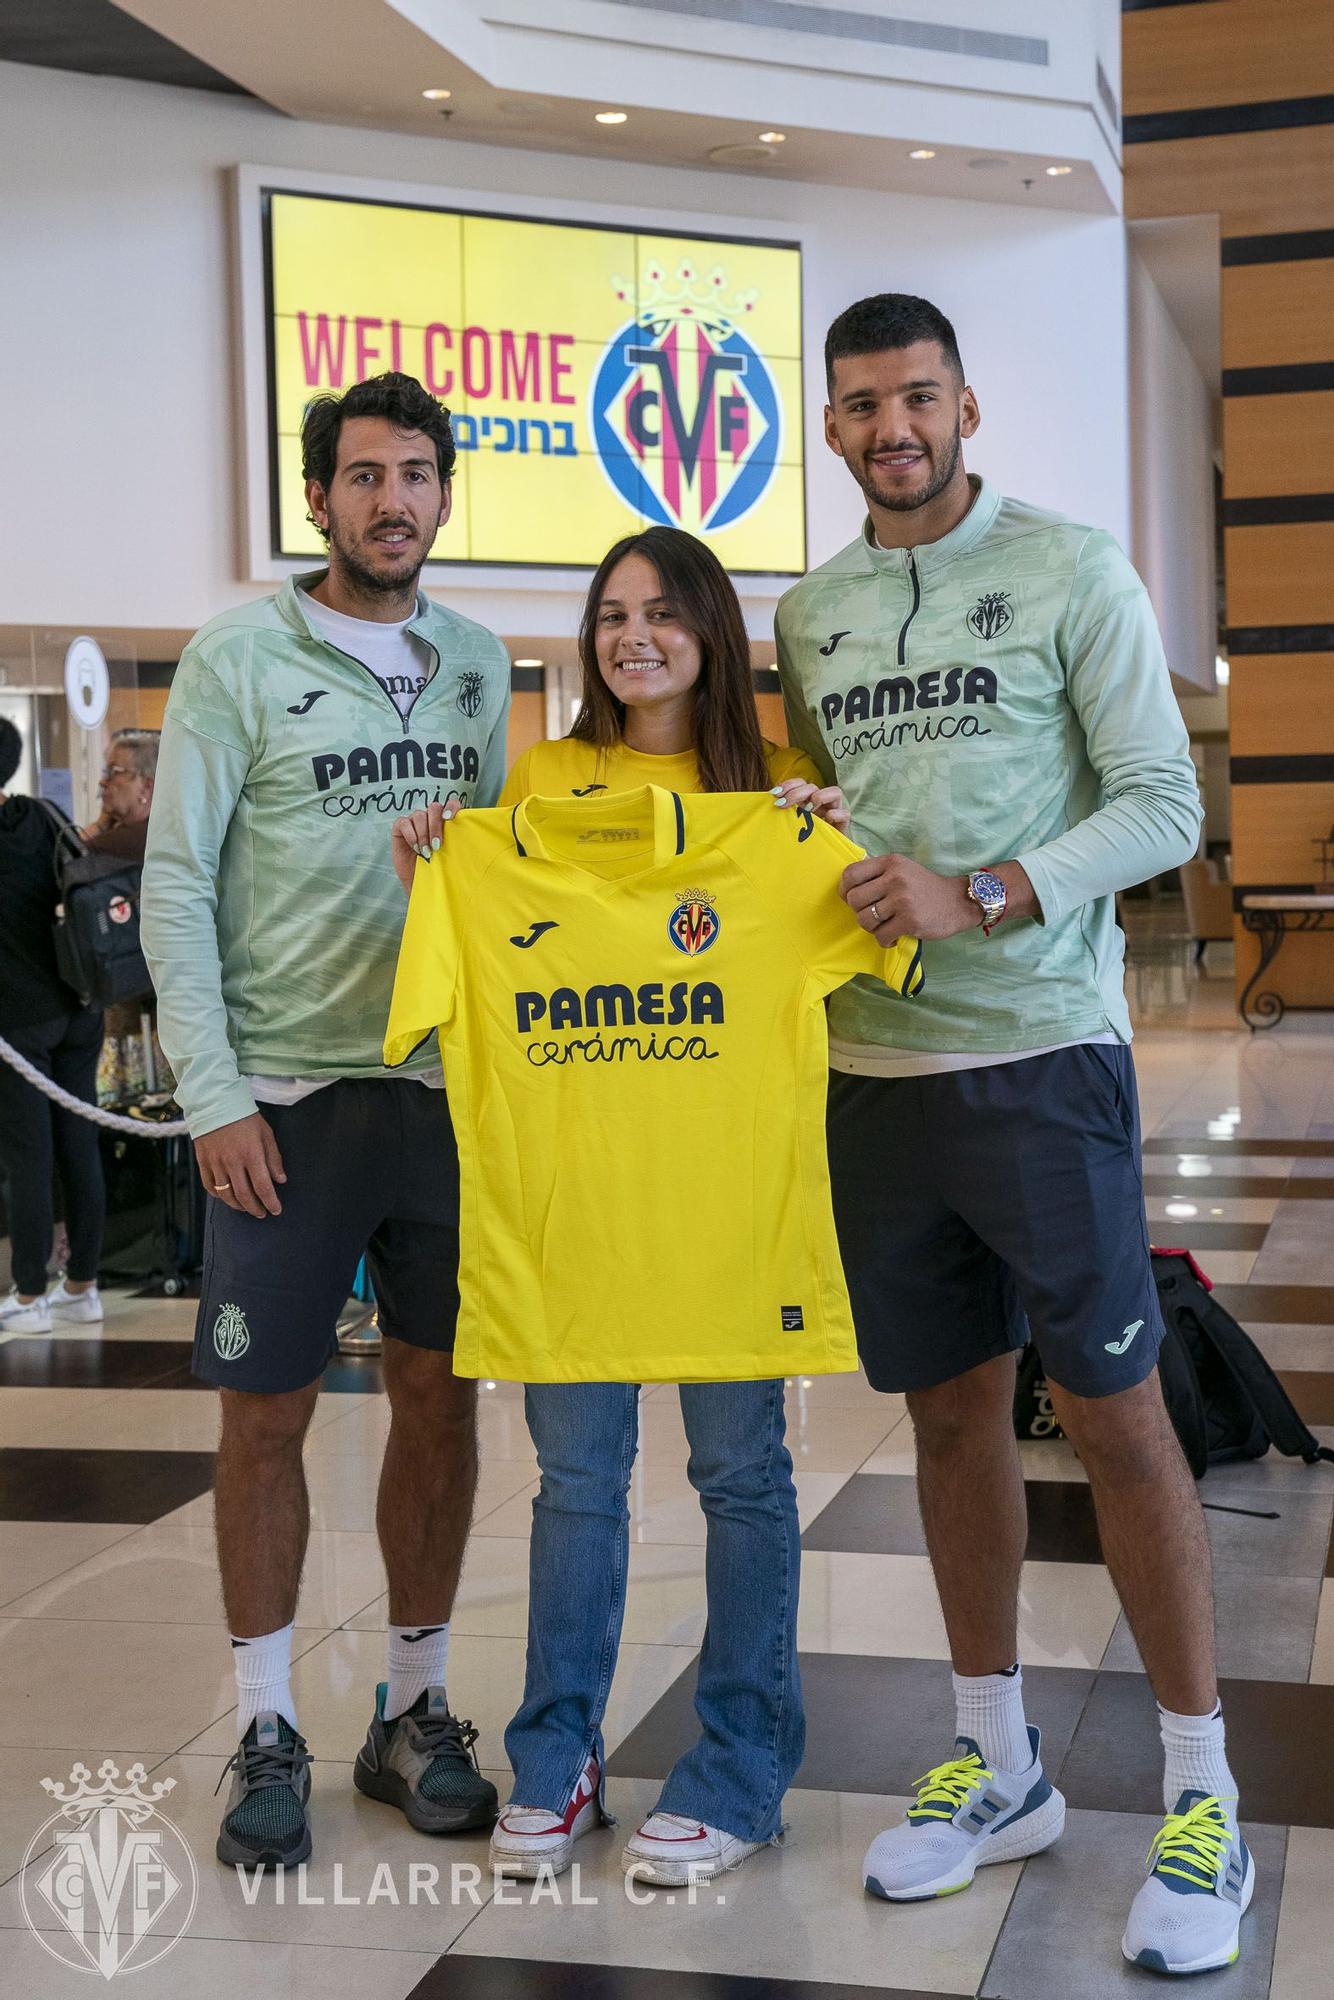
(399, 660)
(402, 663)
(871, 1059)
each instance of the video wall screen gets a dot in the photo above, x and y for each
(599, 380)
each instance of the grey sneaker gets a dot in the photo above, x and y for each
(265, 1820)
(423, 1762)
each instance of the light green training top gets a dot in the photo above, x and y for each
(271, 912)
(998, 695)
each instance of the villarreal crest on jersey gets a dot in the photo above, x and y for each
(630, 992)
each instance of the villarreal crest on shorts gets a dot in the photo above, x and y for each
(629, 992)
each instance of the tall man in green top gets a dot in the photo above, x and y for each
(986, 682)
(297, 729)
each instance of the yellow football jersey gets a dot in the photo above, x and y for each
(564, 764)
(629, 992)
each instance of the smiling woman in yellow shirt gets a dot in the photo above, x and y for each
(666, 700)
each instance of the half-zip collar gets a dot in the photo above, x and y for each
(293, 612)
(929, 556)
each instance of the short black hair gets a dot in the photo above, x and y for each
(889, 319)
(400, 398)
(11, 750)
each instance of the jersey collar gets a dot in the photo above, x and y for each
(669, 819)
(964, 535)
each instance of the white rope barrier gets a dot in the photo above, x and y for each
(142, 1128)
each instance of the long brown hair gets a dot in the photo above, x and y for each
(728, 746)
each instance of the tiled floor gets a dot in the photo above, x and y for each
(111, 1642)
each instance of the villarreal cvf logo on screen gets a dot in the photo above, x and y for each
(684, 412)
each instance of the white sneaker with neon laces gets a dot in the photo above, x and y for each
(967, 1814)
(79, 1308)
(672, 1850)
(529, 1839)
(1187, 1917)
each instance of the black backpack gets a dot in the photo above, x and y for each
(1224, 1399)
(96, 929)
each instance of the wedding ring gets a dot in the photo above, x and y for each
(222, 1187)
(876, 914)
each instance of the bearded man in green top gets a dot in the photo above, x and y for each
(297, 728)
(986, 682)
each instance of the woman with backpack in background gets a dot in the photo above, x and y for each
(46, 1022)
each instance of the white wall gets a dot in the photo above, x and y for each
(1172, 430)
(119, 413)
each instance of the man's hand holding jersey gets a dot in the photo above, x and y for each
(419, 834)
(894, 896)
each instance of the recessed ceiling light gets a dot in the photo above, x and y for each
(436, 96)
(922, 153)
(530, 663)
(746, 153)
(611, 117)
(772, 138)
(1053, 172)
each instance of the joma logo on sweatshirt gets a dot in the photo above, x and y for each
(402, 759)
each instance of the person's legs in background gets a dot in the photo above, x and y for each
(27, 1155)
(78, 1156)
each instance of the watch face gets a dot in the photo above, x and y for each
(988, 888)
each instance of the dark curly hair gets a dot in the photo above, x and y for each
(11, 750)
(888, 320)
(400, 398)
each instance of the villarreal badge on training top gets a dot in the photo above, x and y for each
(629, 991)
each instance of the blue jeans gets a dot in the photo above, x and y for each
(748, 1692)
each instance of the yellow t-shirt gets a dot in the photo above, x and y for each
(583, 770)
(629, 991)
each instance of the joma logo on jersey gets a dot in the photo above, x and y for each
(653, 1004)
(684, 410)
(403, 759)
(694, 924)
(902, 691)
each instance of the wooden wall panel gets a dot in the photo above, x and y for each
(1274, 828)
(1257, 181)
(1303, 973)
(1278, 310)
(1281, 575)
(1226, 52)
(773, 720)
(1279, 444)
(528, 723)
(1282, 704)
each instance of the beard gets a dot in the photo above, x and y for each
(364, 580)
(938, 478)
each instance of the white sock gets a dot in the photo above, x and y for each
(417, 1655)
(263, 1677)
(990, 1709)
(1196, 1757)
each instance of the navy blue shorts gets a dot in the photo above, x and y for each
(977, 1207)
(371, 1170)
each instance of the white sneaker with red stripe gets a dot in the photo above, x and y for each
(672, 1851)
(528, 1839)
